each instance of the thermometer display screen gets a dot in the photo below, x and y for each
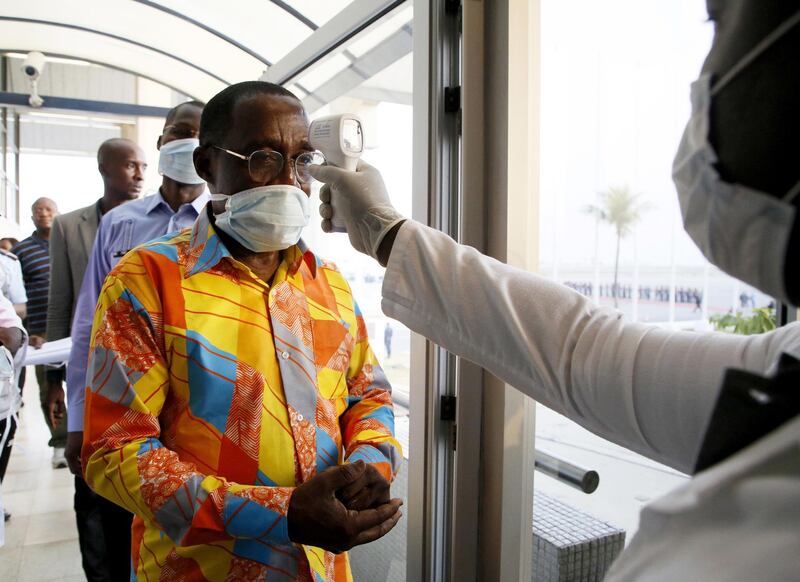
(352, 137)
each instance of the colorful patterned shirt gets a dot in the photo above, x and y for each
(212, 394)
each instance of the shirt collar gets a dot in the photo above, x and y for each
(206, 250)
(157, 200)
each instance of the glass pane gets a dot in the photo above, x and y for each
(387, 135)
(387, 144)
(348, 66)
(261, 26)
(319, 12)
(56, 144)
(614, 102)
(323, 71)
(380, 31)
(79, 191)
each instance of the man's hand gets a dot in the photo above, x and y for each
(36, 341)
(358, 199)
(73, 453)
(55, 402)
(12, 338)
(317, 518)
(369, 491)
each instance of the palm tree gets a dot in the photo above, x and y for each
(622, 209)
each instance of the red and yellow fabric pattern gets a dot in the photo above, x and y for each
(212, 394)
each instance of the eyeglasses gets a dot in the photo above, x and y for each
(181, 131)
(265, 165)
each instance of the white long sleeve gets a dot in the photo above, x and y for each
(643, 387)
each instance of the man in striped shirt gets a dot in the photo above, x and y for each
(34, 257)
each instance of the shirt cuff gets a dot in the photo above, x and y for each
(395, 290)
(75, 417)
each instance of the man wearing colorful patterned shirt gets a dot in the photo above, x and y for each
(233, 401)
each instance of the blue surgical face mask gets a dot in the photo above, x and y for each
(175, 160)
(267, 218)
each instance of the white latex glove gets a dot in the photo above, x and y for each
(359, 199)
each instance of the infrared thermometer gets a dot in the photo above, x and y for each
(340, 138)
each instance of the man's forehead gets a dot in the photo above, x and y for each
(128, 154)
(268, 114)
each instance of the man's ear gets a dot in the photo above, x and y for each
(202, 165)
(158, 143)
(102, 170)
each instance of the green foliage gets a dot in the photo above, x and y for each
(762, 320)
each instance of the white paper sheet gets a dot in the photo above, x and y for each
(53, 353)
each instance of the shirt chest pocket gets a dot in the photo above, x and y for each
(121, 239)
(333, 349)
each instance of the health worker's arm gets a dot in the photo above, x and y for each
(640, 386)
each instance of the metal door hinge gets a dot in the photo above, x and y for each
(447, 409)
(452, 99)
(451, 7)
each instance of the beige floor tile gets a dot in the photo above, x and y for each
(50, 478)
(53, 499)
(51, 527)
(16, 530)
(24, 459)
(19, 503)
(10, 559)
(50, 561)
(20, 481)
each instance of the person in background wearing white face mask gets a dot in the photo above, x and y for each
(233, 401)
(176, 205)
(723, 407)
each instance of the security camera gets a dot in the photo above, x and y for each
(33, 65)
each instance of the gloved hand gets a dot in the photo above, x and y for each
(360, 200)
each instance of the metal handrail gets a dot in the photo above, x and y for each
(585, 480)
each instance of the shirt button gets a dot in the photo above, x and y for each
(285, 355)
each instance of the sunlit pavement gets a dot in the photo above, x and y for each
(627, 481)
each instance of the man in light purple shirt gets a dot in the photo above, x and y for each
(175, 206)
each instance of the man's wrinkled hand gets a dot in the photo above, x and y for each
(73, 452)
(36, 341)
(369, 491)
(318, 518)
(56, 408)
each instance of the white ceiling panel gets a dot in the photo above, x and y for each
(259, 25)
(194, 46)
(113, 53)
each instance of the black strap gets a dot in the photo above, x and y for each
(749, 407)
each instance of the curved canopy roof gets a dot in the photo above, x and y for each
(194, 46)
